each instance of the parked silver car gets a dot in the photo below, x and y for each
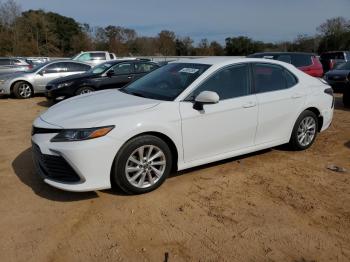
(11, 65)
(25, 84)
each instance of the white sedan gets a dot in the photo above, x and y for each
(185, 114)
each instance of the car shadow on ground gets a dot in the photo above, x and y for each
(24, 168)
(338, 104)
(347, 144)
(46, 103)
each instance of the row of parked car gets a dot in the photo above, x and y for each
(91, 71)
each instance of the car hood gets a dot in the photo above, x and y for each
(89, 110)
(74, 77)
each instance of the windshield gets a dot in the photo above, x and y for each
(100, 68)
(342, 66)
(167, 82)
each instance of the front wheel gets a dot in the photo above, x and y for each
(84, 90)
(142, 165)
(304, 131)
(22, 90)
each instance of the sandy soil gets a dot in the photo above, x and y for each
(275, 205)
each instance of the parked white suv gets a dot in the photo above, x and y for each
(182, 115)
(94, 57)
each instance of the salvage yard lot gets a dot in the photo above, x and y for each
(275, 205)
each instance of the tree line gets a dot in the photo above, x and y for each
(40, 33)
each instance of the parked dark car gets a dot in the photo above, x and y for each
(339, 79)
(306, 62)
(111, 74)
(330, 59)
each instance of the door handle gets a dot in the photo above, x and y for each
(297, 95)
(249, 104)
(130, 77)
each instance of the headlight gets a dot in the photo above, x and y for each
(65, 84)
(68, 135)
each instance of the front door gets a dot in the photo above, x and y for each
(223, 127)
(123, 74)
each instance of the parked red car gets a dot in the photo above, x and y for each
(306, 62)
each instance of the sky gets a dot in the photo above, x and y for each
(266, 20)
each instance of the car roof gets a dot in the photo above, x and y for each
(286, 53)
(226, 60)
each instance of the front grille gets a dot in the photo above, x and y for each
(54, 167)
(39, 130)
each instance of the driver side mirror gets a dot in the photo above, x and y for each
(205, 97)
(42, 72)
(110, 73)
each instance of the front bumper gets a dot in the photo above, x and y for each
(5, 89)
(91, 161)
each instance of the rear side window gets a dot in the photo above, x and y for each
(300, 60)
(333, 55)
(55, 68)
(284, 58)
(5, 61)
(122, 69)
(268, 77)
(76, 67)
(228, 83)
(144, 67)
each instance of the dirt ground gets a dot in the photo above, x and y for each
(275, 205)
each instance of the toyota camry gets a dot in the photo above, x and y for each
(185, 114)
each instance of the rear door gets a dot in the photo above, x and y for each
(47, 74)
(123, 73)
(280, 98)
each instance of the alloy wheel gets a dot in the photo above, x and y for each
(306, 131)
(145, 166)
(25, 90)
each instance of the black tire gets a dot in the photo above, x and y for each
(346, 98)
(84, 90)
(294, 143)
(23, 90)
(119, 176)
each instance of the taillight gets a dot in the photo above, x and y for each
(30, 66)
(329, 91)
(331, 64)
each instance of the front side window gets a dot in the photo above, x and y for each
(228, 83)
(167, 82)
(84, 57)
(101, 68)
(268, 77)
(123, 69)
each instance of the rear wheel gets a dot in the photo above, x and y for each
(304, 131)
(346, 98)
(22, 90)
(84, 90)
(142, 165)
